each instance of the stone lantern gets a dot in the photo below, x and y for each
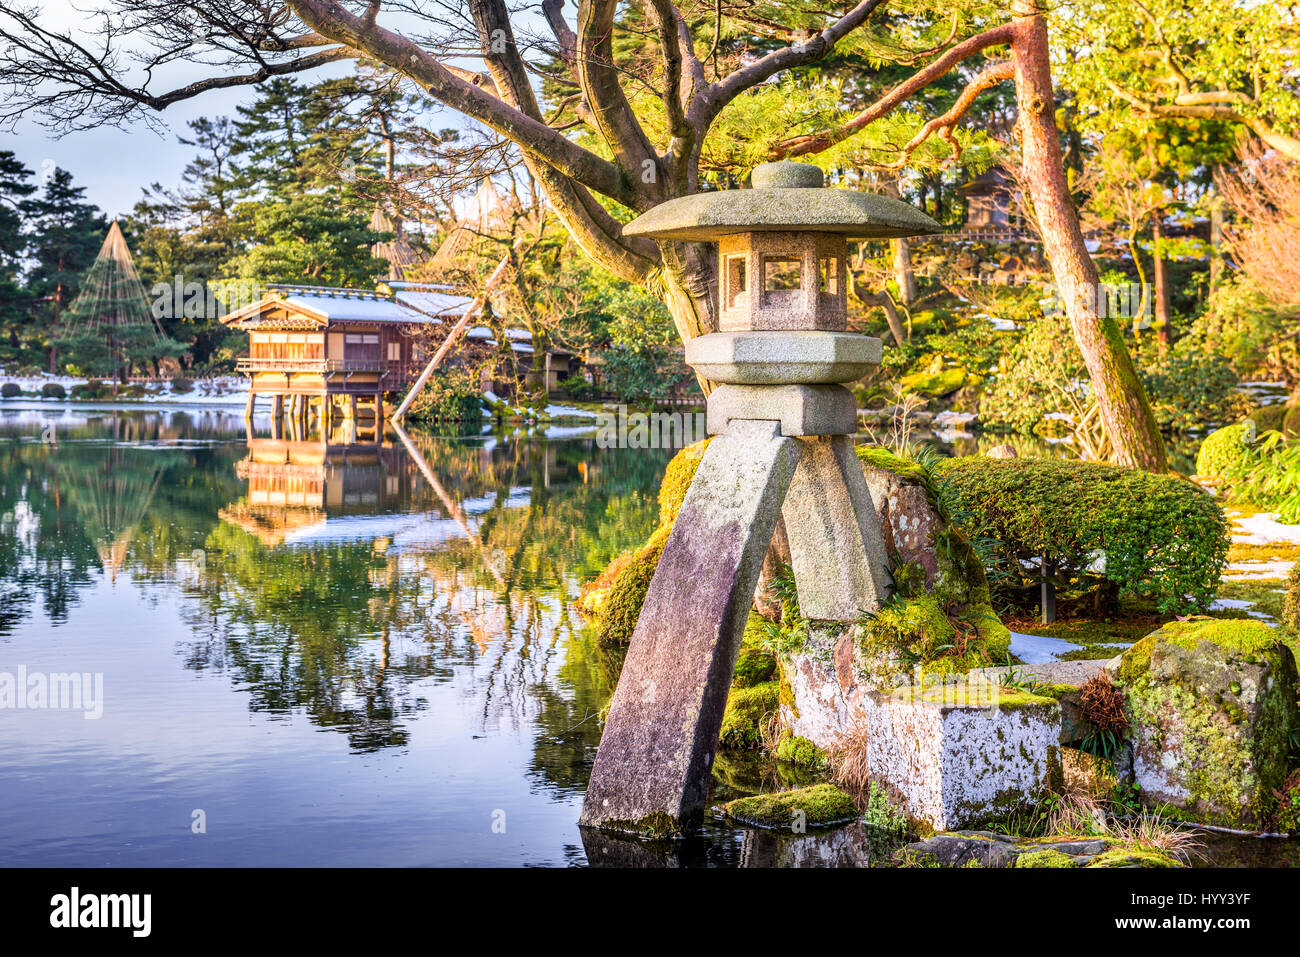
(783, 422)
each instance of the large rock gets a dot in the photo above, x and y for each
(952, 755)
(1211, 704)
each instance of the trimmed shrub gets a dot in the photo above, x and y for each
(9, 390)
(1226, 451)
(1101, 527)
(182, 385)
(92, 390)
(52, 390)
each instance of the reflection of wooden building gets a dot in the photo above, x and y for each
(294, 485)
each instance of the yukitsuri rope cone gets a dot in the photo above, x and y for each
(112, 296)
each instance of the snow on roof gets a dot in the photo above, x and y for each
(347, 304)
(433, 302)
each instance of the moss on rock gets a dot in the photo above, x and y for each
(755, 664)
(621, 604)
(678, 476)
(799, 751)
(1134, 857)
(1045, 858)
(821, 805)
(1211, 704)
(747, 709)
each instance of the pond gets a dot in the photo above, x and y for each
(296, 654)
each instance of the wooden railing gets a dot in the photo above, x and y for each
(248, 365)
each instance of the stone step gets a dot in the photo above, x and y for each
(1052, 672)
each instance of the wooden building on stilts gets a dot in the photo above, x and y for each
(328, 356)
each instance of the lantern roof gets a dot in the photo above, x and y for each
(787, 197)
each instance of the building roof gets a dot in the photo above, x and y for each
(433, 299)
(322, 305)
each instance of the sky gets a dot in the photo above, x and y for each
(114, 164)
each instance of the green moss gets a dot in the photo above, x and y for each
(747, 709)
(935, 384)
(819, 806)
(755, 664)
(1045, 858)
(677, 479)
(656, 826)
(878, 457)
(621, 604)
(799, 751)
(1225, 690)
(1290, 614)
(1133, 857)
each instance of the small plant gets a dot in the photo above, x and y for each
(1103, 707)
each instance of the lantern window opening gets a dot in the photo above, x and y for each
(737, 281)
(828, 275)
(782, 273)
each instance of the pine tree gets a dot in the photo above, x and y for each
(110, 325)
(67, 232)
(15, 302)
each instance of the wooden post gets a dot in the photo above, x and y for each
(277, 416)
(248, 407)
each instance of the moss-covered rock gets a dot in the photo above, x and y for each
(940, 616)
(1291, 606)
(822, 805)
(1047, 857)
(1134, 857)
(620, 605)
(678, 476)
(799, 751)
(1211, 705)
(747, 710)
(756, 663)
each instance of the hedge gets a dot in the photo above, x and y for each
(52, 390)
(1160, 536)
(10, 390)
(1226, 451)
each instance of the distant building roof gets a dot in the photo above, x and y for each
(301, 304)
(432, 299)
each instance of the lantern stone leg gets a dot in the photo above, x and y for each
(656, 754)
(836, 548)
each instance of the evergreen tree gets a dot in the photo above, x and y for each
(15, 187)
(67, 233)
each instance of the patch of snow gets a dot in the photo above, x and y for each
(1262, 528)
(568, 410)
(1257, 571)
(1039, 649)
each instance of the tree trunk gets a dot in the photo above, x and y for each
(1160, 321)
(689, 288)
(1121, 399)
(903, 274)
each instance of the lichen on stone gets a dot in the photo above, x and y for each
(1045, 858)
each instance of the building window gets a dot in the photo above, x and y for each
(782, 273)
(394, 351)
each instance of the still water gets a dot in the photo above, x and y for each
(300, 654)
(350, 655)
